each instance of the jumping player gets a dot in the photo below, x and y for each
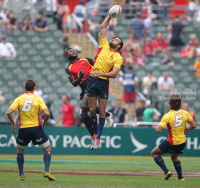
(107, 64)
(175, 120)
(29, 106)
(78, 72)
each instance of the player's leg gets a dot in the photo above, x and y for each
(92, 100)
(22, 141)
(109, 117)
(102, 116)
(20, 162)
(40, 138)
(102, 94)
(92, 106)
(107, 113)
(156, 154)
(177, 165)
(84, 107)
(47, 160)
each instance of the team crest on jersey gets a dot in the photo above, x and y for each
(83, 63)
(111, 57)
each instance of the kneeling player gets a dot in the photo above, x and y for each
(175, 120)
(29, 106)
(78, 72)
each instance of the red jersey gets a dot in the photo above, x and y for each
(185, 51)
(139, 60)
(75, 68)
(68, 115)
(148, 48)
(159, 44)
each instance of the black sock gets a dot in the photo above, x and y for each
(177, 166)
(88, 124)
(94, 123)
(20, 161)
(107, 113)
(161, 163)
(100, 127)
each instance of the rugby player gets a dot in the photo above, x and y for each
(31, 129)
(175, 120)
(107, 65)
(78, 72)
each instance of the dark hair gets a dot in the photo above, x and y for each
(121, 44)
(175, 102)
(29, 85)
(65, 39)
(177, 16)
(130, 68)
(41, 12)
(137, 14)
(67, 50)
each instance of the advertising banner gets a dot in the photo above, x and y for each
(114, 141)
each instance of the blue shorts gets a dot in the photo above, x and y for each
(168, 148)
(34, 134)
(97, 87)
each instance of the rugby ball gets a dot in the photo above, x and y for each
(115, 11)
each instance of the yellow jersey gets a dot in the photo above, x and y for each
(106, 59)
(176, 124)
(29, 106)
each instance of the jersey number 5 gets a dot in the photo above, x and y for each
(27, 106)
(178, 121)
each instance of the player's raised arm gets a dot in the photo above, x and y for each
(102, 33)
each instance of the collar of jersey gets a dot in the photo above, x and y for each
(29, 92)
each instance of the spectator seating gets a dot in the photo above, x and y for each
(40, 58)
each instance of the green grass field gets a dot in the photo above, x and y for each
(98, 164)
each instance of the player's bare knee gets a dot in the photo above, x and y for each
(92, 111)
(102, 112)
(174, 158)
(19, 150)
(47, 148)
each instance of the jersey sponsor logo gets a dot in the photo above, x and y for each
(20, 140)
(139, 146)
(39, 140)
(112, 57)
